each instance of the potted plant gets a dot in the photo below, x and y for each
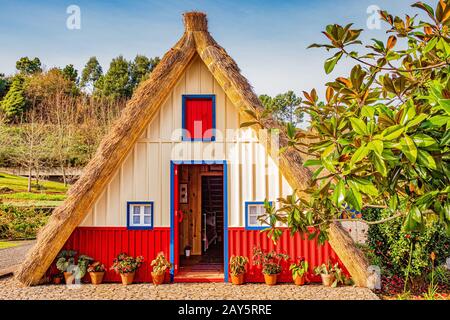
(71, 270)
(299, 271)
(160, 265)
(237, 269)
(57, 278)
(126, 266)
(187, 251)
(82, 266)
(65, 263)
(331, 275)
(96, 271)
(270, 262)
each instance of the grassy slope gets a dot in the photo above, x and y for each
(48, 193)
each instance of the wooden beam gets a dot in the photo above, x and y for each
(140, 111)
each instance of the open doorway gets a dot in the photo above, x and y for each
(201, 226)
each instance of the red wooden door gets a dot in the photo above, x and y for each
(176, 222)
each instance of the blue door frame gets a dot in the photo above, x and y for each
(225, 210)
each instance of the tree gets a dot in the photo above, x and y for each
(27, 67)
(141, 68)
(284, 107)
(91, 72)
(115, 84)
(70, 73)
(4, 85)
(31, 147)
(14, 103)
(381, 138)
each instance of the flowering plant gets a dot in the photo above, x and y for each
(126, 264)
(97, 266)
(160, 264)
(270, 261)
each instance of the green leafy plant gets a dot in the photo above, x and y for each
(66, 263)
(160, 264)
(389, 245)
(237, 265)
(270, 261)
(300, 268)
(126, 264)
(83, 263)
(65, 259)
(380, 138)
(334, 270)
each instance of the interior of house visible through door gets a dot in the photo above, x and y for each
(201, 226)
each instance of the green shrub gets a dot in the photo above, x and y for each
(389, 246)
(21, 223)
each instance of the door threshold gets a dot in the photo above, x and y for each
(199, 276)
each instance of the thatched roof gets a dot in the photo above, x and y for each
(140, 111)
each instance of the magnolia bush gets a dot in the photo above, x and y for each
(380, 138)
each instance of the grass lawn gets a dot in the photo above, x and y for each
(7, 244)
(47, 194)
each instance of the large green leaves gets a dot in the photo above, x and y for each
(359, 126)
(423, 140)
(331, 62)
(359, 154)
(339, 193)
(425, 159)
(393, 132)
(354, 198)
(409, 148)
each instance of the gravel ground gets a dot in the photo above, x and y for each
(11, 289)
(10, 257)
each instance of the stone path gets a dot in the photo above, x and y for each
(11, 289)
(10, 258)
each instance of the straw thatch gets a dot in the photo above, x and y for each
(139, 112)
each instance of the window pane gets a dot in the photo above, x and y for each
(137, 210)
(253, 221)
(253, 210)
(147, 220)
(136, 219)
(147, 209)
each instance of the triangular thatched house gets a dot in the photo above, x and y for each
(177, 174)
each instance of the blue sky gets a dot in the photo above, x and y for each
(268, 39)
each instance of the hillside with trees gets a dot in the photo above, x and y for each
(55, 118)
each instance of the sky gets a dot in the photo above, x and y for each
(268, 39)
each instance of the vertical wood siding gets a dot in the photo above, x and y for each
(242, 242)
(105, 243)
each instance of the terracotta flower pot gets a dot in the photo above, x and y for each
(270, 279)
(69, 277)
(237, 279)
(96, 277)
(157, 278)
(327, 279)
(127, 278)
(299, 281)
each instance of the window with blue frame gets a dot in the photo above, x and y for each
(140, 215)
(253, 210)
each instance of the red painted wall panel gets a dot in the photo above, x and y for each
(199, 110)
(242, 242)
(105, 243)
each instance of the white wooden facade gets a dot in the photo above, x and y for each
(145, 174)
